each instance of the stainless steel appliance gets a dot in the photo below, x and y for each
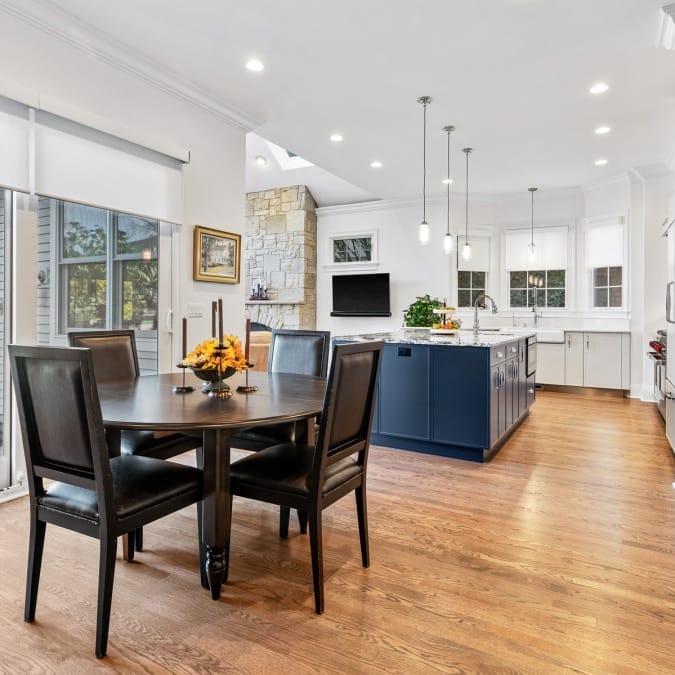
(531, 355)
(658, 354)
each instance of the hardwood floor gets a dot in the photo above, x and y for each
(557, 556)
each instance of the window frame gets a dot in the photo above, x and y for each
(545, 288)
(472, 287)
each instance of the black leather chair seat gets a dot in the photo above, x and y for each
(147, 443)
(288, 468)
(132, 490)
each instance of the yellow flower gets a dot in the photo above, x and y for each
(207, 356)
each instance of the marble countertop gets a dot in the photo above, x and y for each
(463, 338)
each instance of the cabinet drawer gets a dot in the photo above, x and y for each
(498, 354)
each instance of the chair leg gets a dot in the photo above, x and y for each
(138, 539)
(284, 518)
(202, 548)
(106, 575)
(36, 546)
(302, 519)
(128, 546)
(316, 547)
(362, 515)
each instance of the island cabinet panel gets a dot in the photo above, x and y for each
(404, 391)
(460, 396)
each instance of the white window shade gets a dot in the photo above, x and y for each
(550, 246)
(14, 145)
(480, 254)
(77, 163)
(604, 245)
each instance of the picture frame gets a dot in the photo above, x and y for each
(352, 250)
(216, 255)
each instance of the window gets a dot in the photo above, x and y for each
(537, 288)
(469, 286)
(108, 276)
(607, 286)
(605, 263)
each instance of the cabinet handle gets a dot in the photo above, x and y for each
(530, 390)
(588, 342)
(569, 343)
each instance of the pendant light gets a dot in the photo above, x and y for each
(424, 233)
(448, 239)
(466, 251)
(531, 249)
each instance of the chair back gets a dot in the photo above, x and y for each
(301, 352)
(60, 417)
(113, 351)
(349, 405)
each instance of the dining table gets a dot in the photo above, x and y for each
(151, 402)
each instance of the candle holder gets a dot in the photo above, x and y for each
(222, 390)
(184, 388)
(247, 388)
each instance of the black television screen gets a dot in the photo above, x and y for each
(361, 295)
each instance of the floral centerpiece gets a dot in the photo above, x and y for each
(213, 363)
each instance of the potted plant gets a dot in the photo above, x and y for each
(420, 314)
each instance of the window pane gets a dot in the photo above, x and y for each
(518, 279)
(556, 297)
(600, 276)
(615, 297)
(136, 235)
(475, 292)
(139, 295)
(600, 297)
(84, 231)
(463, 279)
(478, 279)
(541, 297)
(615, 276)
(463, 298)
(86, 286)
(556, 278)
(536, 278)
(518, 298)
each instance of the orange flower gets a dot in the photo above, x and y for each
(207, 356)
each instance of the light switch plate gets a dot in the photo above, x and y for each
(195, 310)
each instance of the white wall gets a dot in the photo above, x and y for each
(213, 180)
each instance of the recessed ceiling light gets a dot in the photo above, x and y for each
(376, 164)
(261, 161)
(600, 162)
(447, 181)
(599, 88)
(336, 138)
(255, 65)
(603, 130)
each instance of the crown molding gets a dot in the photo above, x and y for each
(54, 21)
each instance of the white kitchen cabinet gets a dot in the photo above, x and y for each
(595, 359)
(550, 363)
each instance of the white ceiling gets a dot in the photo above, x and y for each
(511, 75)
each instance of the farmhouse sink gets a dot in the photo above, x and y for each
(543, 334)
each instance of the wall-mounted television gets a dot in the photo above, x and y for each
(361, 295)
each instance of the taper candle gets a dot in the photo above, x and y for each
(214, 306)
(248, 339)
(184, 337)
(220, 321)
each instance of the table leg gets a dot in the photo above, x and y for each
(216, 508)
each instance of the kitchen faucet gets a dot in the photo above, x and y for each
(480, 302)
(535, 314)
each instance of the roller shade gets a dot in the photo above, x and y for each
(604, 245)
(550, 244)
(480, 254)
(14, 145)
(77, 163)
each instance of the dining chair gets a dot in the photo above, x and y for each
(116, 359)
(312, 477)
(94, 494)
(300, 352)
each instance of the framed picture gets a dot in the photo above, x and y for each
(353, 250)
(216, 255)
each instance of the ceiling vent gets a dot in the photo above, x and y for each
(666, 30)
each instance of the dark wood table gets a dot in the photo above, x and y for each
(150, 403)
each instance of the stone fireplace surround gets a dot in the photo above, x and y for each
(280, 254)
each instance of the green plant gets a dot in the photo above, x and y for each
(421, 312)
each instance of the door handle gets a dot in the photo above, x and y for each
(169, 322)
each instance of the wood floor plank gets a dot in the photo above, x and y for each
(558, 556)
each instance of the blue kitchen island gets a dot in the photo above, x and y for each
(454, 395)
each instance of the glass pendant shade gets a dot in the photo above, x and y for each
(448, 243)
(531, 252)
(424, 232)
(466, 251)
